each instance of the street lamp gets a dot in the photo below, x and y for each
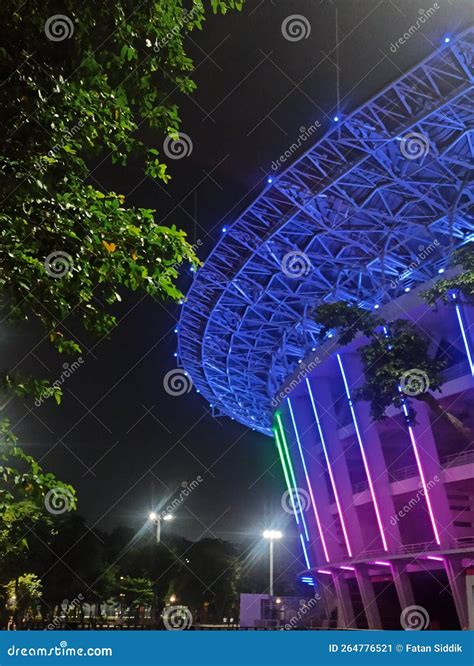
(271, 535)
(156, 519)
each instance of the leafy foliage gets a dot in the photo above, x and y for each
(386, 360)
(461, 284)
(345, 319)
(68, 248)
(24, 594)
(23, 489)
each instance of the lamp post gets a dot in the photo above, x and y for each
(271, 535)
(156, 519)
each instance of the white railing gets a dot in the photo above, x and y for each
(452, 460)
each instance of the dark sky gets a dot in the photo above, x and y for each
(119, 438)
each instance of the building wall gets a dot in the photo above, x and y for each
(389, 491)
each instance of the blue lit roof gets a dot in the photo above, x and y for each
(349, 217)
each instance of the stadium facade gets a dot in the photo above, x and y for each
(370, 215)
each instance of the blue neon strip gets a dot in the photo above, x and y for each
(305, 552)
(364, 459)
(308, 482)
(328, 463)
(464, 337)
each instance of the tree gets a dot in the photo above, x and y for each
(462, 284)
(134, 593)
(29, 498)
(23, 596)
(79, 84)
(396, 360)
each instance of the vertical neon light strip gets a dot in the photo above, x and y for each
(292, 474)
(331, 476)
(308, 565)
(464, 337)
(285, 474)
(308, 482)
(422, 476)
(288, 485)
(361, 446)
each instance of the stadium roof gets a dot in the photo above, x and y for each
(348, 220)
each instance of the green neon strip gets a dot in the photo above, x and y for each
(283, 439)
(285, 473)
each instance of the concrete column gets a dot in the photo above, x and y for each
(315, 468)
(368, 597)
(431, 467)
(345, 609)
(470, 600)
(337, 459)
(374, 454)
(325, 588)
(455, 572)
(402, 584)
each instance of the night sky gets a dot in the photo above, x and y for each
(119, 438)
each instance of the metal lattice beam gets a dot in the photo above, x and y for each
(359, 210)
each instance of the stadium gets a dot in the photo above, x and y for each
(369, 215)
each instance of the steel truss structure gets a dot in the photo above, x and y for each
(387, 185)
